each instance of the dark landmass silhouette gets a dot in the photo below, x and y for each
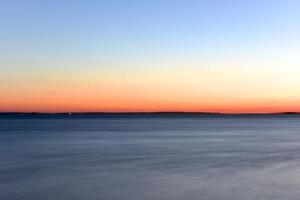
(141, 114)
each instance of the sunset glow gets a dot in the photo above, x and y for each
(228, 57)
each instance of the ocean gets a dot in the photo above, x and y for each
(150, 158)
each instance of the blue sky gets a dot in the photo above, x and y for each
(113, 27)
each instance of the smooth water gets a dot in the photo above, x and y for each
(150, 159)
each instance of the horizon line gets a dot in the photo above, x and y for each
(155, 112)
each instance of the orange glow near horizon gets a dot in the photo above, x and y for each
(228, 90)
(132, 106)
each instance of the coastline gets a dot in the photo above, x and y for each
(16, 115)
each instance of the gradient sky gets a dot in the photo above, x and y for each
(156, 55)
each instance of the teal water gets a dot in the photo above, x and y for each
(150, 159)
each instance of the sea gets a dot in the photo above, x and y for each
(150, 158)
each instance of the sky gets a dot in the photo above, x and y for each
(233, 56)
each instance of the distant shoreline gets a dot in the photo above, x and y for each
(140, 114)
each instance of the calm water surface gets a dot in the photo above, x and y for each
(150, 159)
